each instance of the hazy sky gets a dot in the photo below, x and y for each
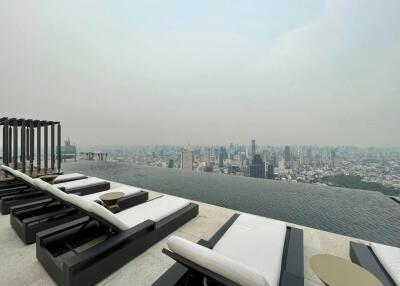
(173, 72)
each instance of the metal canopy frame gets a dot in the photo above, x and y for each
(19, 144)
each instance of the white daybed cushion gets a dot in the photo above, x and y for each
(69, 177)
(389, 257)
(17, 174)
(154, 210)
(77, 184)
(127, 190)
(256, 242)
(217, 263)
(133, 216)
(81, 203)
(96, 209)
(46, 187)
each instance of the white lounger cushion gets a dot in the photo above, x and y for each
(256, 242)
(77, 184)
(46, 187)
(217, 263)
(69, 177)
(154, 210)
(389, 257)
(127, 190)
(18, 175)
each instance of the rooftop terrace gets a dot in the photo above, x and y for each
(20, 267)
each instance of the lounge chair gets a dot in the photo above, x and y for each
(20, 180)
(67, 251)
(13, 181)
(381, 260)
(33, 194)
(248, 250)
(31, 218)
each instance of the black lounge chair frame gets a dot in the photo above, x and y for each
(364, 256)
(185, 272)
(12, 182)
(92, 265)
(31, 195)
(29, 219)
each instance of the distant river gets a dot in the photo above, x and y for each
(363, 214)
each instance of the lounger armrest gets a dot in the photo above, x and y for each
(204, 243)
(197, 268)
(84, 258)
(41, 236)
(362, 255)
(295, 253)
(29, 205)
(172, 276)
(177, 271)
(220, 233)
(290, 279)
(62, 189)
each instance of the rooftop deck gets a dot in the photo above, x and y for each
(20, 267)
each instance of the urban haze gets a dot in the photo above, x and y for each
(211, 72)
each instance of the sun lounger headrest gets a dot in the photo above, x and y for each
(18, 175)
(216, 262)
(98, 210)
(46, 187)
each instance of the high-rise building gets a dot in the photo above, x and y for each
(187, 159)
(207, 155)
(274, 159)
(270, 171)
(288, 157)
(222, 156)
(257, 167)
(253, 147)
(221, 160)
(333, 158)
(301, 157)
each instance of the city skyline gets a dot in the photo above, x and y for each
(315, 72)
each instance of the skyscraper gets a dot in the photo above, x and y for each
(274, 159)
(333, 158)
(257, 167)
(288, 157)
(253, 147)
(222, 156)
(207, 155)
(187, 159)
(301, 157)
(270, 171)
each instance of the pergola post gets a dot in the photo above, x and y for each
(10, 139)
(38, 147)
(28, 141)
(23, 159)
(15, 142)
(46, 143)
(52, 152)
(32, 146)
(5, 145)
(59, 148)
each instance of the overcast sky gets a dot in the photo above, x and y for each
(174, 72)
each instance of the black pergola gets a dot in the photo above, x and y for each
(19, 143)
